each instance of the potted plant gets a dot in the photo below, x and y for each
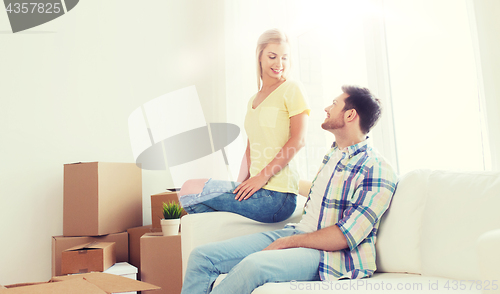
(171, 218)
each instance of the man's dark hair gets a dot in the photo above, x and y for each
(366, 105)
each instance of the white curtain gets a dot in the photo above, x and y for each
(416, 55)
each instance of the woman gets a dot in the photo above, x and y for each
(275, 123)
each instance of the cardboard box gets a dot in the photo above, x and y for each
(61, 243)
(101, 198)
(86, 258)
(134, 244)
(92, 283)
(161, 262)
(157, 206)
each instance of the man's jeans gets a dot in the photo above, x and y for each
(247, 266)
(264, 205)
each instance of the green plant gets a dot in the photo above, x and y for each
(172, 210)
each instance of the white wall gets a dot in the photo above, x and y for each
(67, 88)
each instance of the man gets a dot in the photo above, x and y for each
(336, 237)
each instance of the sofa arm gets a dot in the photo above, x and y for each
(203, 228)
(489, 259)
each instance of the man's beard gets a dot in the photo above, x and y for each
(333, 124)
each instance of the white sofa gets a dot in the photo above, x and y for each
(440, 234)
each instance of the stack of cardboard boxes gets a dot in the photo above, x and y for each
(160, 256)
(102, 224)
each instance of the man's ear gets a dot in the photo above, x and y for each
(350, 115)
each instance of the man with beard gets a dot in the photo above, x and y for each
(335, 238)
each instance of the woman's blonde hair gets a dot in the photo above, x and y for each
(270, 36)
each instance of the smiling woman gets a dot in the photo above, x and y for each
(273, 61)
(275, 124)
(273, 52)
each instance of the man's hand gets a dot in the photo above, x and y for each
(282, 243)
(250, 186)
(327, 239)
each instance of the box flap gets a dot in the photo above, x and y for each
(90, 246)
(111, 283)
(74, 286)
(21, 285)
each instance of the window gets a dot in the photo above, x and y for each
(433, 79)
(416, 55)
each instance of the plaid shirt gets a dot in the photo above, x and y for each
(358, 193)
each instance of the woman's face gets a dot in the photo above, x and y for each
(274, 60)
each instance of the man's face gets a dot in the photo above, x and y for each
(335, 114)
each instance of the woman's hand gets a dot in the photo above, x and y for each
(250, 186)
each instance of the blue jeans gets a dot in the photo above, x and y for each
(264, 205)
(247, 266)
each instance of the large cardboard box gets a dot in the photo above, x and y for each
(157, 206)
(134, 244)
(161, 262)
(61, 243)
(92, 283)
(101, 198)
(91, 257)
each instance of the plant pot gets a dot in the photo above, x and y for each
(170, 227)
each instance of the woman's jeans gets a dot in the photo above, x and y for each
(264, 205)
(247, 266)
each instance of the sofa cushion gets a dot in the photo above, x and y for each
(488, 261)
(460, 207)
(398, 240)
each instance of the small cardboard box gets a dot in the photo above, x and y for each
(157, 206)
(61, 243)
(86, 258)
(123, 269)
(161, 262)
(92, 283)
(101, 198)
(134, 244)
